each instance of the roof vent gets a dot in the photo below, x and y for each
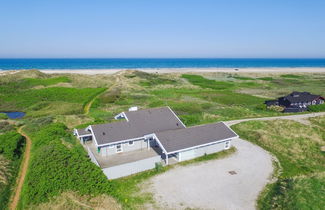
(104, 133)
(133, 108)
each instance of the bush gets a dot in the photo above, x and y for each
(276, 108)
(261, 107)
(57, 168)
(5, 127)
(317, 108)
(3, 116)
(11, 144)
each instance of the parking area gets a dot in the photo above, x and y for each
(230, 183)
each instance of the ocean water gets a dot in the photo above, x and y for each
(141, 63)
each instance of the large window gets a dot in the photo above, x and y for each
(119, 148)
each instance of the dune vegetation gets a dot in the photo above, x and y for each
(62, 174)
(11, 148)
(301, 178)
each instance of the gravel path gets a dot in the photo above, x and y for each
(299, 118)
(209, 185)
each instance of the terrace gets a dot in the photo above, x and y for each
(122, 158)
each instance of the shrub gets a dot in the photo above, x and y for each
(261, 107)
(276, 108)
(11, 144)
(3, 116)
(5, 126)
(57, 168)
(317, 108)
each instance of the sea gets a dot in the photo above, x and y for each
(155, 63)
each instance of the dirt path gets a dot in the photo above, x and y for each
(23, 170)
(299, 118)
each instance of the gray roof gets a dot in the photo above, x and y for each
(174, 140)
(295, 97)
(139, 124)
(82, 132)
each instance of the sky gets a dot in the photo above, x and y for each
(162, 29)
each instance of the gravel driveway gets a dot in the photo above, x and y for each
(209, 185)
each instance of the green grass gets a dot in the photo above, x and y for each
(292, 76)
(207, 83)
(297, 147)
(265, 78)
(45, 101)
(150, 80)
(15, 84)
(317, 108)
(243, 78)
(31, 82)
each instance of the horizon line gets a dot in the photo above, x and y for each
(164, 58)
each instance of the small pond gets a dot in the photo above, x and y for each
(14, 115)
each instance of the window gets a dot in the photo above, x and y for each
(119, 148)
(227, 144)
(131, 143)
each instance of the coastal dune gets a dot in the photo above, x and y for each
(181, 70)
(196, 70)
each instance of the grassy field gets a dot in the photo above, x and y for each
(197, 99)
(300, 184)
(54, 104)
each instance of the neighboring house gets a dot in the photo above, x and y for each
(144, 138)
(296, 101)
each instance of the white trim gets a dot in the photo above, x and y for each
(121, 115)
(160, 144)
(201, 145)
(176, 116)
(127, 119)
(230, 129)
(93, 134)
(122, 141)
(117, 148)
(75, 133)
(85, 135)
(111, 146)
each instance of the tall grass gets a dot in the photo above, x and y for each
(297, 147)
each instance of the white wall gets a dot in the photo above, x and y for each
(198, 152)
(137, 144)
(131, 168)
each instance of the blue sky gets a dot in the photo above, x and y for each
(162, 28)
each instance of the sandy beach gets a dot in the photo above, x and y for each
(181, 70)
(196, 70)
